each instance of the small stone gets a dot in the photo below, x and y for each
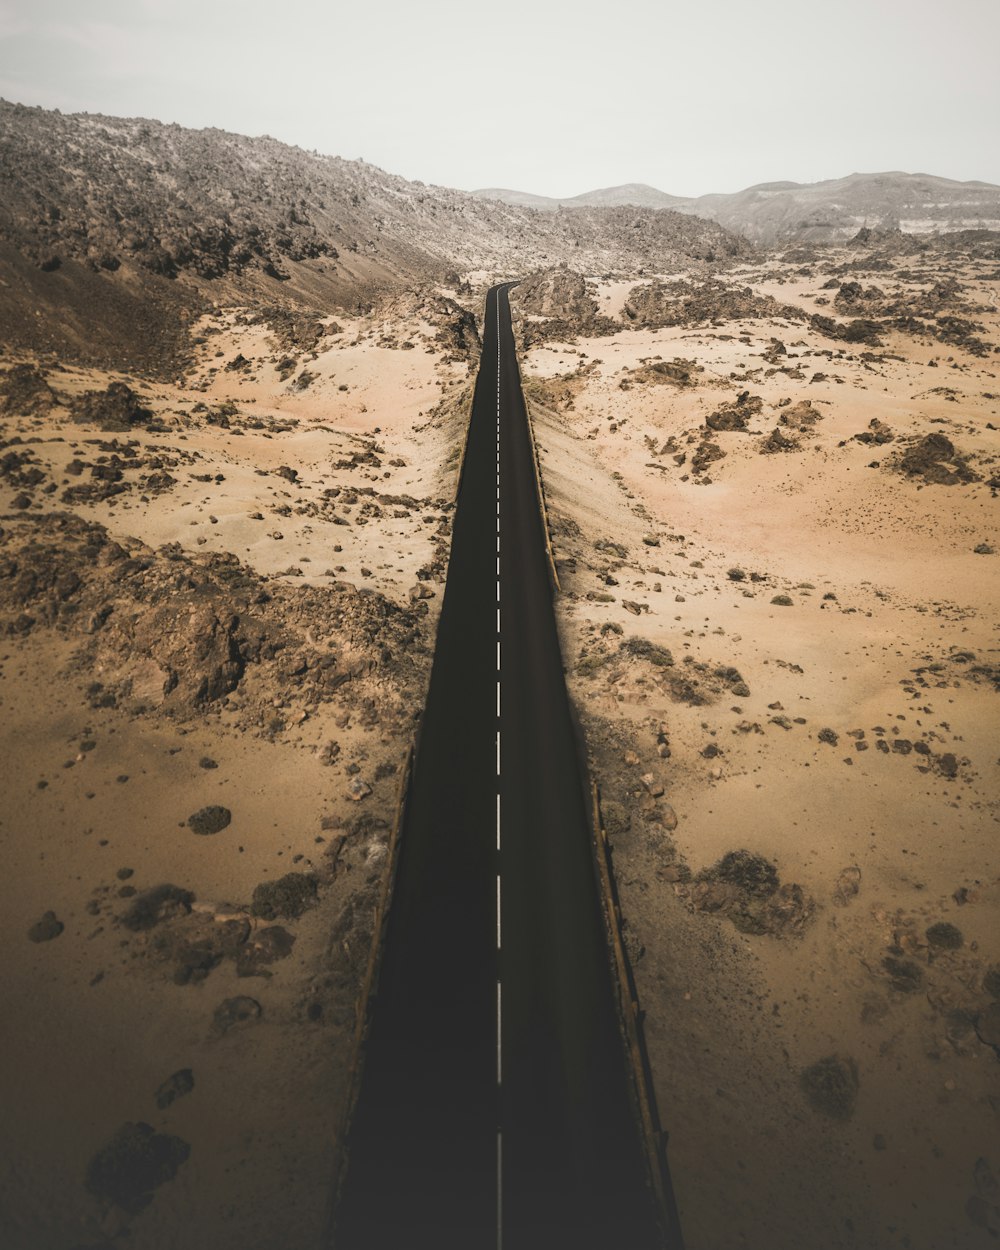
(668, 817)
(46, 929)
(782, 601)
(175, 1086)
(358, 790)
(206, 761)
(848, 885)
(284, 899)
(945, 936)
(234, 1013)
(133, 1164)
(209, 820)
(829, 736)
(652, 785)
(831, 1086)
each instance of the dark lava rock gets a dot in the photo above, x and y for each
(877, 433)
(904, 974)
(750, 873)
(233, 1013)
(936, 460)
(117, 408)
(209, 820)
(284, 899)
(175, 1086)
(777, 441)
(831, 1086)
(133, 1164)
(945, 936)
(782, 601)
(25, 391)
(266, 946)
(46, 929)
(735, 416)
(706, 454)
(829, 736)
(196, 959)
(152, 907)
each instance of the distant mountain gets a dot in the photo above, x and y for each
(637, 193)
(818, 212)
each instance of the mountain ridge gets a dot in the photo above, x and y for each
(769, 213)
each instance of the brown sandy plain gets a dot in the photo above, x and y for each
(801, 796)
(786, 661)
(231, 605)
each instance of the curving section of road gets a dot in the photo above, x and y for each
(495, 1105)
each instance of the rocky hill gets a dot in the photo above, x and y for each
(818, 212)
(185, 213)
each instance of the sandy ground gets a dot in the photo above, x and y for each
(823, 1055)
(846, 734)
(342, 487)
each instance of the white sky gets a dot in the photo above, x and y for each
(551, 96)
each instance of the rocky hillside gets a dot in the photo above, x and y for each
(818, 212)
(206, 203)
(116, 231)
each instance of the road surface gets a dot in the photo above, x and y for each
(495, 1106)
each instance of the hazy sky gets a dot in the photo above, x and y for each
(551, 96)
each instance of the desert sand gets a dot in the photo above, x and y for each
(789, 651)
(218, 601)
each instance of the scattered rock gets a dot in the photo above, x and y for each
(235, 1013)
(136, 1161)
(945, 936)
(117, 408)
(848, 885)
(831, 1086)
(209, 820)
(152, 907)
(263, 947)
(46, 929)
(829, 736)
(935, 459)
(904, 974)
(284, 899)
(643, 649)
(175, 1086)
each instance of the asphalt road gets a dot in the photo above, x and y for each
(495, 1106)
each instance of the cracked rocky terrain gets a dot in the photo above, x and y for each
(231, 421)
